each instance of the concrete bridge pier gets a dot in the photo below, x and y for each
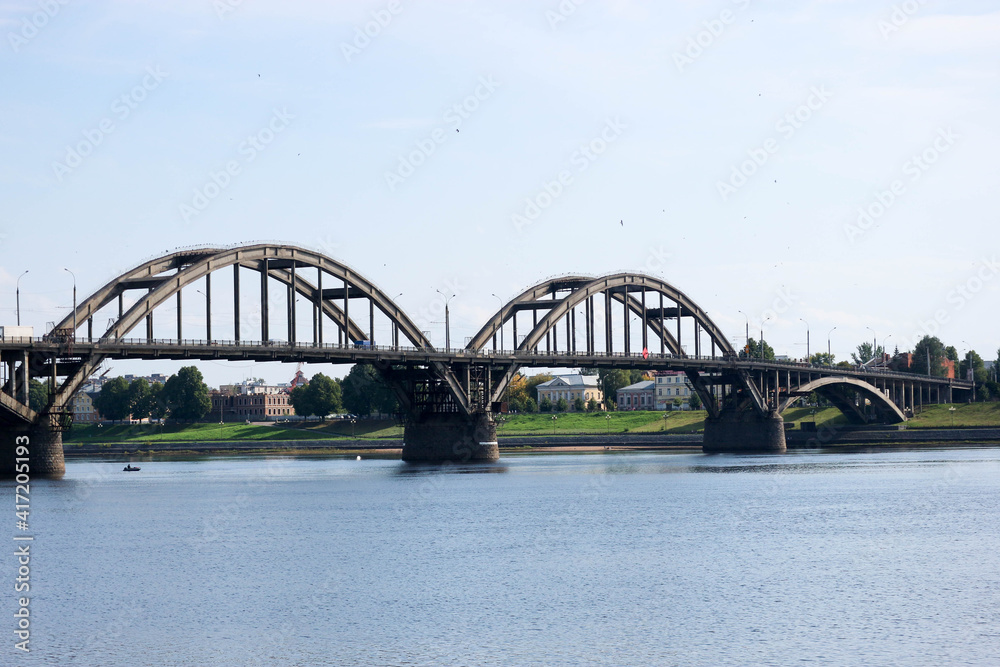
(440, 437)
(45, 450)
(744, 433)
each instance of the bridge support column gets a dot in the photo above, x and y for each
(454, 437)
(736, 433)
(45, 450)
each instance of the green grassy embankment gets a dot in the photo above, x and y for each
(965, 414)
(567, 423)
(150, 433)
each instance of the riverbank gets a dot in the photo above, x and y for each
(974, 424)
(887, 437)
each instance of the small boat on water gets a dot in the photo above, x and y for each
(130, 468)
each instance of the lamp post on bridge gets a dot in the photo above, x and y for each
(828, 352)
(447, 320)
(808, 356)
(748, 330)
(19, 297)
(74, 300)
(761, 341)
(501, 319)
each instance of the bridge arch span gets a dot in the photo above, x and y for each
(164, 278)
(627, 296)
(840, 392)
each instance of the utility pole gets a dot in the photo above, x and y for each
(447, 320)
(19, 297)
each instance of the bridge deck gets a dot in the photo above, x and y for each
(348, 354)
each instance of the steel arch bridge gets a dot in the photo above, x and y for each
(449, 397)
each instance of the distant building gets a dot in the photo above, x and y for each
(671, 385)
(151, 379)
(638, 396)
(249, 387)
(250, 406)
(905, 361)
(82, 407)
(571, 387)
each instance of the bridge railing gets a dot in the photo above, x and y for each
(363, 346)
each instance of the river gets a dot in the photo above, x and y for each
(807, 558)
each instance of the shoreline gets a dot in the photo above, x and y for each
(880, 438)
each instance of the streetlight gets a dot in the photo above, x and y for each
(761, 342)
(748, 328)
(19, 297)
(447, 320)
(884, 346)
(501, 319)
(74, 300)
(554, 424)
(807, 339)
(874, 341)
(828, 354)
(607, 419)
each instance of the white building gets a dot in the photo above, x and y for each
(571, 387)
(671, 385)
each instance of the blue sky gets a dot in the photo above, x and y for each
(733, 147)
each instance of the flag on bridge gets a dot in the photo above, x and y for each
(645, 353)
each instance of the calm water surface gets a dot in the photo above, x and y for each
(605, 559)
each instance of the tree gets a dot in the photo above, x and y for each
(114, 401)
(579, 405)
(610, 380)
(325, 395)
(755, 351)
(301, 401)
(545, 405)
(866, 352)
(186, 394)
(951, 354)
(521, 391)
(928, 355)
(822, 359)
(694, 401)
(364, 391)
(157, 401)
(562, 405)
(974, 362)
(140, 399)
(592, 405)
(530, 406)
(38, 395)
